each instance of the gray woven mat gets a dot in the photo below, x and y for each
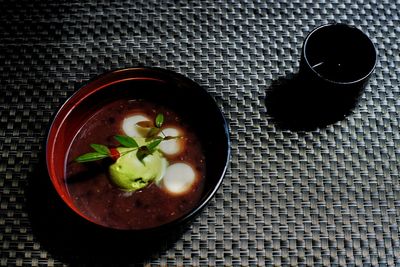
(330, 196)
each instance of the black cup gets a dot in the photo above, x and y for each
(337, 61)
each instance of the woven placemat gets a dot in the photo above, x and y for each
(327, 196)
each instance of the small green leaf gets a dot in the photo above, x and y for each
(159, 120)
(168, 137)
(142, 152)
(153, 145)
(126, 141)
(152, 133)
(145, 124)
(149, 149)
(100, 149)
(92, 156)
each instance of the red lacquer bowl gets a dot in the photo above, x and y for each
(151, 84)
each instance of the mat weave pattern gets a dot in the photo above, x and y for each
(324, 197)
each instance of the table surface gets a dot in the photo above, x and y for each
(325, 196)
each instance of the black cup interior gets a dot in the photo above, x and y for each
(339, 53)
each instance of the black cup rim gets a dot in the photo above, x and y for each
(309, 35)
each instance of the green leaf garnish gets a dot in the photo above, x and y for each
(145, 124)
(153, 132)
(159, 120)
(142, 152)
(168, 137)
(148, 149)
(153, 145)
(102, 149)
(92, 156)
(126, 141)
(152, 139)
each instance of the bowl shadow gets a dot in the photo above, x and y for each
(293, 104)
(73, 240)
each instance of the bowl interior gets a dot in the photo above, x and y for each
(171, 90)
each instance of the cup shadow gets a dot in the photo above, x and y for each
(73, 240)
(297, 104)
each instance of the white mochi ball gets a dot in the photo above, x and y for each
(131, 129)
(179, 178)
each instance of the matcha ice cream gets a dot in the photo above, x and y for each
(131, 174)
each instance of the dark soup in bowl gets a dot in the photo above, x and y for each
(118, 180)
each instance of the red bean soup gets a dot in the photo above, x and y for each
(100, 200)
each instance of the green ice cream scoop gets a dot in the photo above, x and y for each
(131, 174)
